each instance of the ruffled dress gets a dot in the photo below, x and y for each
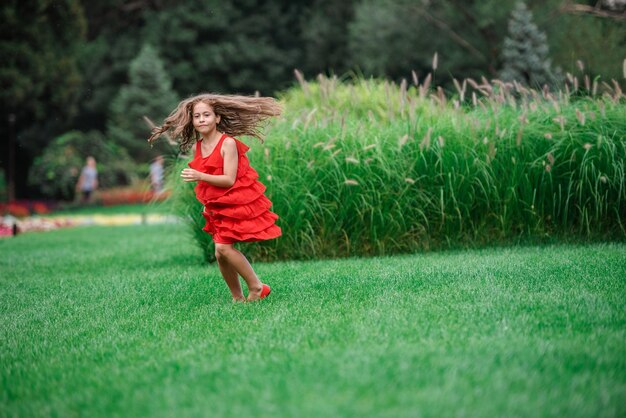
(239, 213)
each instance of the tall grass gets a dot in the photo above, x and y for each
(371, 167)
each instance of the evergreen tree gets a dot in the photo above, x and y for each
(525, 52)
(149, 93)
(325, 37)
(390, 38)
(236, 46)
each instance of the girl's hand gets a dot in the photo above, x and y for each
(189, 175)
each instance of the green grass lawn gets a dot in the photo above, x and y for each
(128, 321)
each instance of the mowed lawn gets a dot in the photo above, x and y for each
(128, 321)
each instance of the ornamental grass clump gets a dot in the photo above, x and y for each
(369, 167)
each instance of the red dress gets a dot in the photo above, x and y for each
(237, 213)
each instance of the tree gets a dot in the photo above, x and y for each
(393, 37)
(148, 94)
(325, 36)
(114, 38)
(237, 46)
(526, 51)
(39, 78)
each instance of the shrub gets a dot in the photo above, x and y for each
(129, 196)
(372, 168)
(56, 171)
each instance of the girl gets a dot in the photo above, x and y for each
(235, 207)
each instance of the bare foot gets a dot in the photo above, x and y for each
(241, 299)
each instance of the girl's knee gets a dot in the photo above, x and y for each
(222, 251)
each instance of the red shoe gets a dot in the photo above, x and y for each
(265, 291)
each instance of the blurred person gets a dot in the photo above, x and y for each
(235, 207)
(156, 174)
(88, 180)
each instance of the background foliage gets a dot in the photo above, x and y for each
(57, 170)
(66, 61)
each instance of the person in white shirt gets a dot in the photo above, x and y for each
(88, 180)
(156, 174)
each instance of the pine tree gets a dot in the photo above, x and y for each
(526, 52)
(149, 93)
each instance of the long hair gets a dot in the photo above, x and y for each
(239, 115)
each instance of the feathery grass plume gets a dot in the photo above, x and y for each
(485, 84)
(617, 89)
(425, 144)
(303, 83)
(417, 83)
(309, 118)
(426, 85)
(435, 61)
(441, 96)
(555, 105)
(561, 121)
(403, 93)
(580, 116)
(460, 89)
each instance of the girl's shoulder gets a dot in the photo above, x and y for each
(229, 141)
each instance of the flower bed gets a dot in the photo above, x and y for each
(10, 225)
(23, 208)
(123, 196)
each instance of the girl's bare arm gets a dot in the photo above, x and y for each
(229, 153)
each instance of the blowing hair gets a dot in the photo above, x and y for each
(239, 115)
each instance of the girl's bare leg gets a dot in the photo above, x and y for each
(231, 278)
(240, 264)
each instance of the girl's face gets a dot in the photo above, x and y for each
(204, 118)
